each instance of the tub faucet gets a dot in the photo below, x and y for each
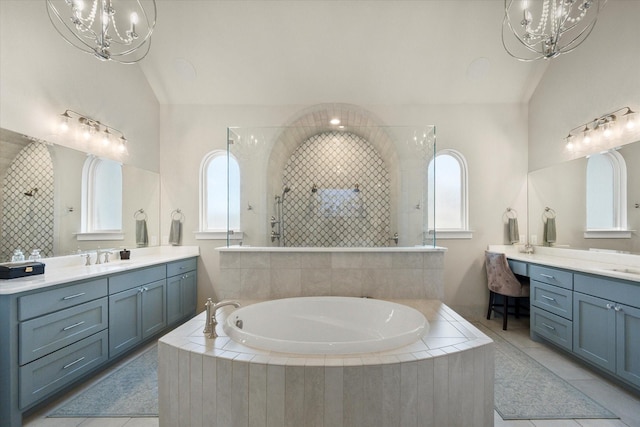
(212, 322)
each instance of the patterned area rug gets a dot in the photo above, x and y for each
(129, 391)
(526, 390)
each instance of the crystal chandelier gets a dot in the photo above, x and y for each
(537, 29)
(112, 30)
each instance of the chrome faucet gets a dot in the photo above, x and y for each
(212, 322)
(87, 258)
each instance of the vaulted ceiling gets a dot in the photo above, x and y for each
(264, 52)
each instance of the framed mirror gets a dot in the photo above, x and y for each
(565, 191)
(41, 200)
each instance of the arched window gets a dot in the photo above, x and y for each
(220, 193)
(101, 196)
(606, 193)
(447, 195)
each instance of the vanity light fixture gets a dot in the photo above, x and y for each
(605, 127)
(101, 138)
(544, 29)
(111, 30)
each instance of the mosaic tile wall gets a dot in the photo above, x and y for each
(28, 220)
(340, 194)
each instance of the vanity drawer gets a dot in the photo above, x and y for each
(179, 267)
(50, 373)
(518, 267)
(131, 279)
(552, 298)
(622, 291)
(552, 276)
(59, 298)
(554, 328)
(43, 335)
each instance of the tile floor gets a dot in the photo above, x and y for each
(619, 401)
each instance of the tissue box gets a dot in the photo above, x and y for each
(13, 270)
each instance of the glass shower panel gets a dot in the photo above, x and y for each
(330, 186)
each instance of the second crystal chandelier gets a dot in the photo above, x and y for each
(544, 29)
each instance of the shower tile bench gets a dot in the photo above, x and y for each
(586, 303)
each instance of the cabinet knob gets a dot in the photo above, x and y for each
(617, 308)
(609, 306)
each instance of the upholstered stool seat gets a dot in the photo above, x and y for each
(502, 281)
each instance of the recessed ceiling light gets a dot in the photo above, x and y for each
(185, 69)
(335, 121)
(478, 69)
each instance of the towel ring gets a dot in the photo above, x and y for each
(511, 213)
(177, 214)
(548, 213)
(140, 214)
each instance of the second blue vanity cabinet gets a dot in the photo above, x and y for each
(594, 337)
(552, 305)
(137, 312)
(607, 324)
(181, 290)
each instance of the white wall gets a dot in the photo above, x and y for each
(42, 76)
(602, 75)
(492, 137)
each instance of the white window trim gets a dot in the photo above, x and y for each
(204, 233)
(218, 235)
(607, 234)
(103, 235)
(464, 232)
(619, 230)
(452, 234)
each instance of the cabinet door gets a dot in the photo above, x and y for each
(189, 294)
(154, 308)
(125, 320)
(174, 301)
(594, 330)
(628, 340)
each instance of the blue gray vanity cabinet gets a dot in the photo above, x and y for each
(137, 307)
(48, 339)
(58, 335)
(181, 289)
(551, 304)
(607, 324)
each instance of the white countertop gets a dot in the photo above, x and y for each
(71, 268)
(603, 263)
(246, 248)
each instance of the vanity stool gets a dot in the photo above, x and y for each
(502, 281)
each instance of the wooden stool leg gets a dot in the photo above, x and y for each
(491, 294)
(506, 308)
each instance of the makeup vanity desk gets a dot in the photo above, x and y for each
(60, 327)
(587, 303)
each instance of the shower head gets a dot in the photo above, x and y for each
(285, 190)
(31, 192)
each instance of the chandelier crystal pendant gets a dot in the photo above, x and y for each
(544, 29)
(111, 30)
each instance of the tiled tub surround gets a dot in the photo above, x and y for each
(388, 273)
(445, 379)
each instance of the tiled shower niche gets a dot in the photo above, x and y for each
(340, 194)
(27, 203)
